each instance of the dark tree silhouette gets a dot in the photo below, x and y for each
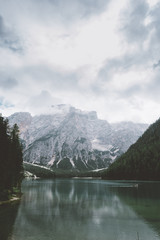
(11, 159)
(141, 161)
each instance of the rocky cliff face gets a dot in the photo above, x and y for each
(71, 139)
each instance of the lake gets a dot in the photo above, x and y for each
(83, 209)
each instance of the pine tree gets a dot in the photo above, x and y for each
(4, 152)
(17, 158)
(11, 159)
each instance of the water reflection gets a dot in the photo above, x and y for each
(8, 215)
(80, 209)
(145, 201)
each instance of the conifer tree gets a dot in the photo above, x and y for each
(11, 159)
(17, 158)
(4, 152)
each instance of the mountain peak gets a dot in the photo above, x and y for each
(69, 138)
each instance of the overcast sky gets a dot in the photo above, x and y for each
(101, 55)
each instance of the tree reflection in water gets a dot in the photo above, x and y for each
(8, 214)
(79, 209)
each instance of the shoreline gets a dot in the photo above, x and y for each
(13, 199)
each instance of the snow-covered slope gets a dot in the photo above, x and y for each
(71, 139)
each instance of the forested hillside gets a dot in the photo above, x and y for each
(11, 160)
(142, 160)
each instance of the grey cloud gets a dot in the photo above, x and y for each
(5, 104)
(2, 28)
(8, 39)
(114, 65)
(8, 83)
(133, 22)
(137, 31)
(41, 99)
(120, 65)
(42, 102)
(1, 100)
(55, 11)
(54, 79)
(71, 9)
(156, 65)
(155, 25)
(85, 8)
(98, 89)
(152, 89)
(131, 91)
(123, 64)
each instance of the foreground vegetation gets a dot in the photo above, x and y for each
(141, 161)
(11, 160)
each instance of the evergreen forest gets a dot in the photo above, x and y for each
(141, 161)
(11, 159)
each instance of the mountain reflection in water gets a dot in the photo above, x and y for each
(65, 209)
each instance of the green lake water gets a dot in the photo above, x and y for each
(81, 209)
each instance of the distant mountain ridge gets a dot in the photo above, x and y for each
(141, 161)
(74, 140)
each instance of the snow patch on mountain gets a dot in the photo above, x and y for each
(96, 144)
(72, 139)
(50, 163)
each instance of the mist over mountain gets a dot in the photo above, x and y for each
(74, 140)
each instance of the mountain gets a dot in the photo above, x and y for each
(71, 139)
(141, 161)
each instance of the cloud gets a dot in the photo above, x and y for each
(5, 104)
(7, 83)
(156, 65)
(97, 55)
(52, 78)
(123, 69)
(8, 38)
(1, 100)
(133, 73)
(154, 12)
(140, 25)
(42, 103)
(73, 9)
(152, 89)
(134, 21)
(54, 12)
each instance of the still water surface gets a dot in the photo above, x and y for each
(76, 209)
